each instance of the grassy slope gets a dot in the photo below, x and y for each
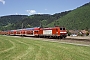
(26, 49)
(77, 19)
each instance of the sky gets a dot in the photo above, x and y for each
(30, 7)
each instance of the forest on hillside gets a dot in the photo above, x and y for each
(11, 22)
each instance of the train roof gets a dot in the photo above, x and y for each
(29, 28)
(32, 28)
(12, 30)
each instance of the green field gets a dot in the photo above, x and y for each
(12, 48)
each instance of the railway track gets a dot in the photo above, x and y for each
(68, 40)
(88, 40)
(73, 41)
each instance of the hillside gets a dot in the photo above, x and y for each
(10, 21)
(42, 20)
(77, 19)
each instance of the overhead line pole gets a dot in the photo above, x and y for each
(22, 30)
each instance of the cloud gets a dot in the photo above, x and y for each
(40, 13)
(31, 12)
(16, 13)
(2, 1)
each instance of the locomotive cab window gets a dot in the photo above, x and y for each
(61, 29)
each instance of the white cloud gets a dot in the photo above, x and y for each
(2, 1)
(42, 13)
(31, 12)
(39, 13)
(16, 13)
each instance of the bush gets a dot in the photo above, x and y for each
(69, 33)
(87, 33)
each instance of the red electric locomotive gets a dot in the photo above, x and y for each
(56, 32)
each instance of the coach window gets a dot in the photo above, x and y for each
(36, 31)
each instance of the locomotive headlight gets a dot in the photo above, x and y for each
(63, 32)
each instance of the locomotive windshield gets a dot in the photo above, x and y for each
(62, 28)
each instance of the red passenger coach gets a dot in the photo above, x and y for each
(29, 32)
(20, 32)
(11, 32)
(3, 32)
(32, 31)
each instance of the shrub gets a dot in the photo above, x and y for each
(87, 33)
